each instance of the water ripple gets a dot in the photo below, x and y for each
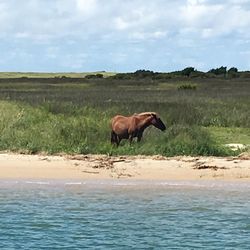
(120, 215)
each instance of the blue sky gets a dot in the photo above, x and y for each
(123, 35)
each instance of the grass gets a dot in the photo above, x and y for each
(51, 75)
(187, 87)
(73, 117)
(28, 129)
(230, 135)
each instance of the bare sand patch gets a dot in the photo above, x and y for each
(92, 167)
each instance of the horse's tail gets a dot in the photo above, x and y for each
(113, 137)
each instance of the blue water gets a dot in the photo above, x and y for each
(124, 215)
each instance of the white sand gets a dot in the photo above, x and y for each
(91, 167)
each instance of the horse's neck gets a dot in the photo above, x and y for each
(145, 123)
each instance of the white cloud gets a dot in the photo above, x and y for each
(211, 20)
(94, 26)
(86, 7)
(121, 24)
(237, 2)
(132, 19)
(147, 35)
(195, 13)
(139, 18)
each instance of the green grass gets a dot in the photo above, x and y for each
(51, 75)
(28, 129)
(74, 116)
(187, 87)
(230, 135)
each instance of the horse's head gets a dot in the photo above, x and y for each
(157, 122)
(152, 118)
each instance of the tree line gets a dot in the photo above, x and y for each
(189, 72)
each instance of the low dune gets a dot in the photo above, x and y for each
(94, 167)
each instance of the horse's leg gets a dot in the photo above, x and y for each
(118, 140)
(115, 138)
(139, 136)
(130, 138)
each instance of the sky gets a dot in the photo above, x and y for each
(123, 35)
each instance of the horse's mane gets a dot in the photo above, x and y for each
(146, 113)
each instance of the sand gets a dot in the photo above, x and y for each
(94, 167)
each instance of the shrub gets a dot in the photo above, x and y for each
(96, 76)
(187, 71)
(219, 71)
(187, 87)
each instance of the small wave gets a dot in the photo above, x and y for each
(132, 183)
(74, 183)
(38, 182)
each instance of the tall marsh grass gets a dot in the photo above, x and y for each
(87, 130)
(74, 116)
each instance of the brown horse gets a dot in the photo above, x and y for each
(133, 126)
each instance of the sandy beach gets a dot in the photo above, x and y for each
(94, 167)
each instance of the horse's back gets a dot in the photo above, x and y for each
(120, 124)
(117, 119)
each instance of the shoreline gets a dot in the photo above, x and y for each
(141, 168)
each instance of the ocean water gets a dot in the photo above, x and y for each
(124, 215)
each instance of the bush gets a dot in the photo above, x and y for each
(219, 71)
(233, 70)
(187, 87)
(187, 71)
(96, 76)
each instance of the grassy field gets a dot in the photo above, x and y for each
(51, 75)
(73, 116)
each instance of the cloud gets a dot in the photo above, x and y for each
(216, 19)
(139, 17)
(153, 35)
(86, 7)
(140, 29)
(134, 19)
(196, 13)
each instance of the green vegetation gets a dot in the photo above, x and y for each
(229, 135)
(65, 114)
(28, 129)
(187, 86)
(189, 72)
